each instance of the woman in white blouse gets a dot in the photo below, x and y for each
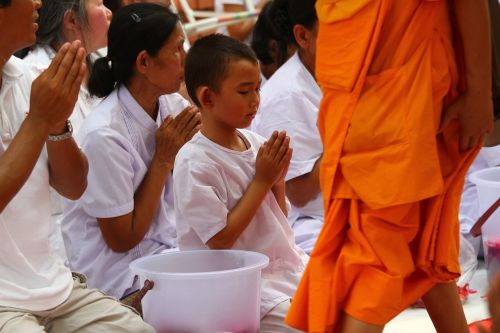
(131, 140)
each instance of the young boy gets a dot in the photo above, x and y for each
(229, 189)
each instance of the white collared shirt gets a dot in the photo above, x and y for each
(209, 180)
(32, 276)
(294, 108)
(119, 141)
(39, 60)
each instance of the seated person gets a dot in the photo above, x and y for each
(294, 108)
(272, 40)
(229, 182)
(38, 293)
(63, 21)
(131, 140)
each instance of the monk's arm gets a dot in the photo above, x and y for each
(475, 114)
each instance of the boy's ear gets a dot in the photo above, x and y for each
(205, 96)
(142, 62)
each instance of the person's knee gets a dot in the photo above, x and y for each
(14, 322)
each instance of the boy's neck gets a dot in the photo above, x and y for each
(222, 135)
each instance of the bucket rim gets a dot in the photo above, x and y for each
(197, 275)
(475, 178)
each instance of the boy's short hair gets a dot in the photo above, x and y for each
(208, 59)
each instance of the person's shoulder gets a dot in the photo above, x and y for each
(38, 59)
(16, 70)
(172, 104)
(278, 86)
(195, 148)
(102, 119)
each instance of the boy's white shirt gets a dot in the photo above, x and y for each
(32, 276)
(294, 108)
(208, 182)
(119, 141)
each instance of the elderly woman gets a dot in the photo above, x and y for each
(131, 140)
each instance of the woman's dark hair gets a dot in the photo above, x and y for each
(51, 17)
(113, 5)
(207, 62)
(133, 28)
(303, 12)
(273, 24)
(5, 3)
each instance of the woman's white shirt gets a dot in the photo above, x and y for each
(290, 101)
(119, 141)
(39, 60)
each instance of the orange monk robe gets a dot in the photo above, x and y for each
(391, 182)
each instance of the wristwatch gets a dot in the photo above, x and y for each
(66, 135)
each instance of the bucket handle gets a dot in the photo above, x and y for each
(148, 285)
(476, 228)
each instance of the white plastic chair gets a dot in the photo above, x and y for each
(199, 21)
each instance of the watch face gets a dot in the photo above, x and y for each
(69, 126)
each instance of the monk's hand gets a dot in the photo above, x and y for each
(272, 159)
(174, 133)
(55, 91)
(474, 112)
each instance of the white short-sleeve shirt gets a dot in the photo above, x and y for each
(118, 138)
(212, 180)
(32, 276)
(294, 108)
(39, 60)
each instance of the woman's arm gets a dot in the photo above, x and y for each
(122, 233)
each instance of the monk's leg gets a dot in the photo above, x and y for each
(445, 309)
(350, 324)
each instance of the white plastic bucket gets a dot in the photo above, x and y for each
(488, 189)
(203, 291)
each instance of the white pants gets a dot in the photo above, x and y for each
(274, 321)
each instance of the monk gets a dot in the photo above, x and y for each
(407, 103)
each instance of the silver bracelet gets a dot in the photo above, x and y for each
(63, 136)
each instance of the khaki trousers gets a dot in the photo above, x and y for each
(85, 311)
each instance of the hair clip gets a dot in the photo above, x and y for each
(135, 17)
(108, 61)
